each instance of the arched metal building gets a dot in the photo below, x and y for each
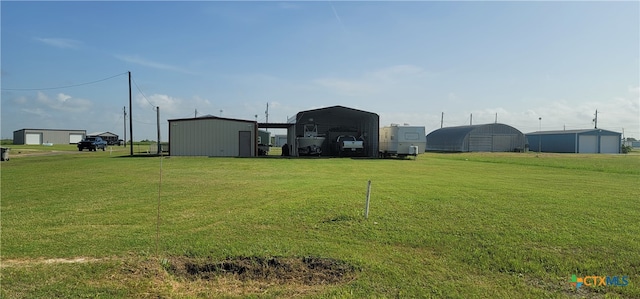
(332, 122)
(476, 138)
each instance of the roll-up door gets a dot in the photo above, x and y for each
(34, 138)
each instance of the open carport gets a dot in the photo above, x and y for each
(335, 121)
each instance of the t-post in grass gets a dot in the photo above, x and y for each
(366, 205)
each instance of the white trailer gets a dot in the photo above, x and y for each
(402, 141)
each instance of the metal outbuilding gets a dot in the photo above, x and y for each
(51, 136)
(109, 137)
(213, 136)
(575, 141)
(493, 137)
(333, 122)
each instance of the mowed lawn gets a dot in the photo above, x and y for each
(473, 225)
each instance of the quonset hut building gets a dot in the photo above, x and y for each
(476, 138)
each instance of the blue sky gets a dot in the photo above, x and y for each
(407, 61)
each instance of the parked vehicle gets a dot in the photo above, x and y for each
(310, 144)
(92, 144)
(402, 141)
(349, 145)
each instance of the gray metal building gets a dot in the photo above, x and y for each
(40, 136)
(213, 137)
(109, 137)
(335, 121)
(476, 138)
(575, 141)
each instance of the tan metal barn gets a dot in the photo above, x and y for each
(213, 137)
(54, 136)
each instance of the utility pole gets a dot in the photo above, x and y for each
(158, 119)
(266, 112)
(124, 109)
(196, 114)
(496, 118)
(471, 119)
(441, 119)
(130, 119)
(596, 120)
(540, 135)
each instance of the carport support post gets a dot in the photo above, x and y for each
(366, 206)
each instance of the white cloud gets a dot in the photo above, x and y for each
(152, 64)
(64, 102)
(171, 107)
(63, 43)
(20, 100)
(36, 111)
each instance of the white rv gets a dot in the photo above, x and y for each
(402, 141)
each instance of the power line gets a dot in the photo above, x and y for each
(67, 86)
(136, 84)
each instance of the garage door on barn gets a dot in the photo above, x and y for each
(75, 138)
(33, 138)
(610, 144)
(588, 144)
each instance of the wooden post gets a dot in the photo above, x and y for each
(130, 118)
(366, 206)
(158, 119)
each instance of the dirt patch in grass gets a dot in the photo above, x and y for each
(279, 270)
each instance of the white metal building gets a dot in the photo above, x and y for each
(213, 137)
(589, 141)
(40, 136)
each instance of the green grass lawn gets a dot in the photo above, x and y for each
(476, 225)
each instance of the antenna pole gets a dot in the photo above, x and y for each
(596, 120)
(441, 119)
(471, 119)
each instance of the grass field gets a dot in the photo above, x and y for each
(473, 225)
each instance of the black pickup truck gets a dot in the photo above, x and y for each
(92, 143)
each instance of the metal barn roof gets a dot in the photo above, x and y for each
(581, 131)
(102, 134)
